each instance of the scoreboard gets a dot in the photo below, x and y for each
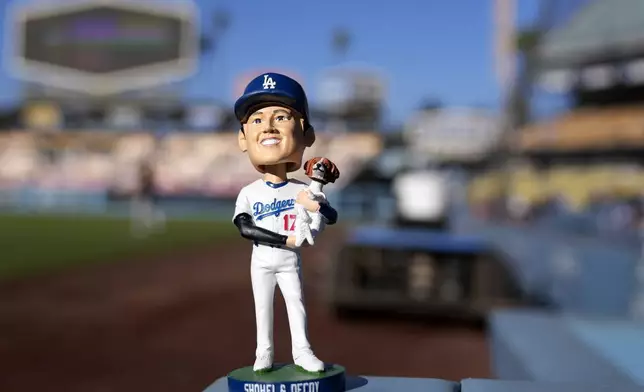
(105, 47)
(103, 40)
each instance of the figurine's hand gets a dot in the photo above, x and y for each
(304, 197)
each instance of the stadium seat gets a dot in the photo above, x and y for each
(18, 164)
(132, 148)
(585, 128)
(210, 165)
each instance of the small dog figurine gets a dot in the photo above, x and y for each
(321, 171)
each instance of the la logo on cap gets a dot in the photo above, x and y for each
(269, 83)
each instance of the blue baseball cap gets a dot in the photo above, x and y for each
(272, 88)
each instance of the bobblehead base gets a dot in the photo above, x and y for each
(287, 378)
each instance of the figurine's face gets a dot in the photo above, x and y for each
(274, 135)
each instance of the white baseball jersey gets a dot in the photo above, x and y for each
(272, 207)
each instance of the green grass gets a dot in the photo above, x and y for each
(37, 244)
(283, 373)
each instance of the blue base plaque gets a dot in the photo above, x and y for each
(287, 378)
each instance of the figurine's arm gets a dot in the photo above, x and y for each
(243, 220)
(329, 213)
(248, 230)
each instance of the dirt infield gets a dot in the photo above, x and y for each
(179, 322)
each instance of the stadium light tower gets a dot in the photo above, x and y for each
(340, 43)
(518, 77)
(211, 40)
(220, 22)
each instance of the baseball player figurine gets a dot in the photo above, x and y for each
(321, 171)
(275, 131)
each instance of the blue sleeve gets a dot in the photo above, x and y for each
(329, 213)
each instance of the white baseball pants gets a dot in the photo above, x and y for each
(287, 274)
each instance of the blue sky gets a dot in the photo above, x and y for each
(426, 48)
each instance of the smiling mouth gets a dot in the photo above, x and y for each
(271, 141)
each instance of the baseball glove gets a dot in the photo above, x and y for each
(321, 169)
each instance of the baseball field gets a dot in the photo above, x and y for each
(84, 306)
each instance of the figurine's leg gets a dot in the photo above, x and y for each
(290, 283)
(263, 282)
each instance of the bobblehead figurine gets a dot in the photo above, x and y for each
(275, 131)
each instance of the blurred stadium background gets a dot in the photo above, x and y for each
(550, 174)
(80, 128)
